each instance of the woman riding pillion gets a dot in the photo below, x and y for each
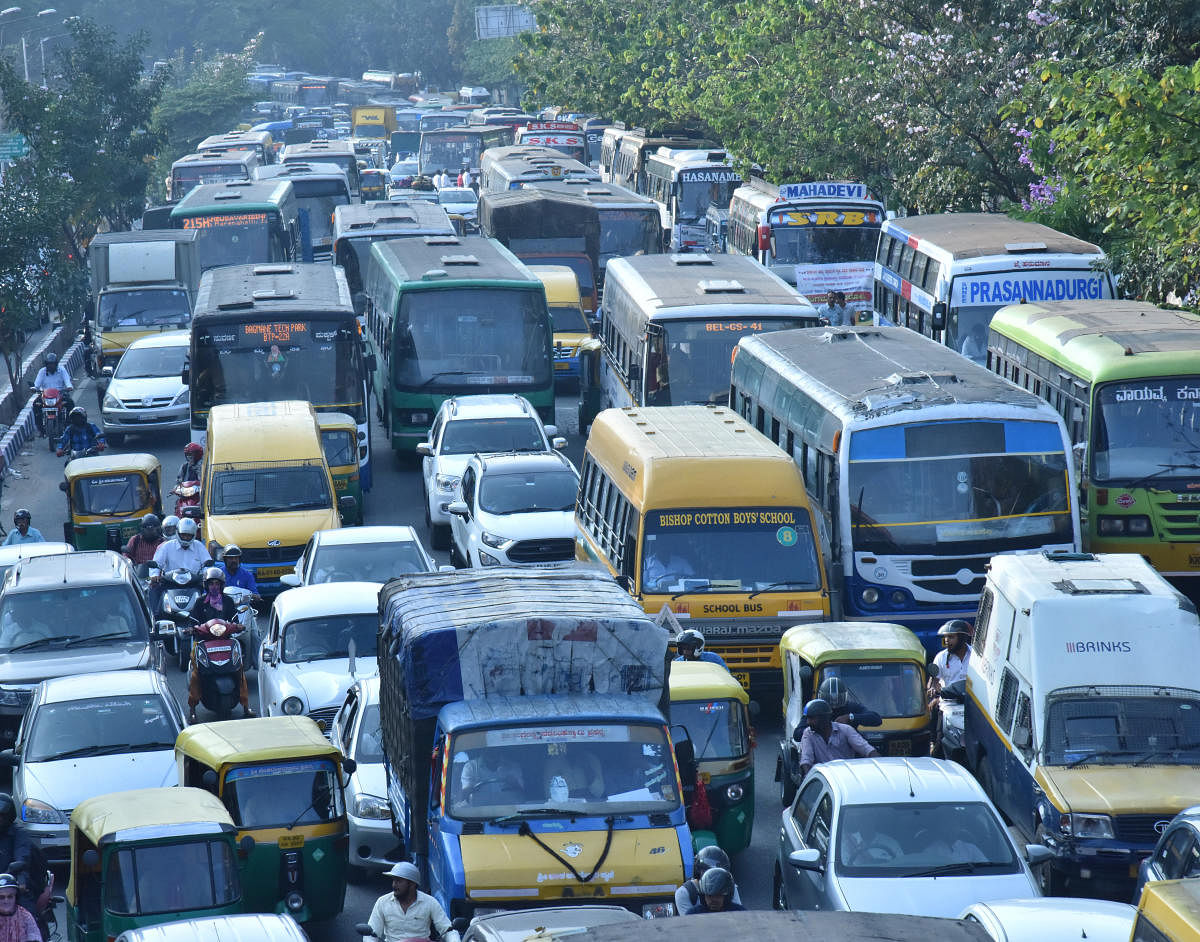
(215, 615)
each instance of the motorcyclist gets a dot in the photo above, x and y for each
(193, 463)
(22, 532)
(145, 543)
(954, 657)
(16, 921)
(80, 434)
(833, 690)
(17, 851)
(170, 527)
(407, 913)
(825, 740)
(215, 614)
(52, 375)
(237, 575)
(716, 894)
(183, 552)
(690, 645)
(706, 858)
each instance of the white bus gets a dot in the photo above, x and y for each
(566, 137)
(945, 275)
(610, 143)
(922, 464)
(510, 168)
(818, 236)
(684, 183)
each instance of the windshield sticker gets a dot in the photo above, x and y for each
(715, 706)
(786, 536)
(509, 737)
(282, 768)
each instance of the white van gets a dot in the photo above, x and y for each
(1083, 713)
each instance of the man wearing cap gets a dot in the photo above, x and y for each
(407, 913)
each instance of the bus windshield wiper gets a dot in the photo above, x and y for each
(697, 590)
(38, 642)
(1162, 469)
(776, 585)
(441, 373)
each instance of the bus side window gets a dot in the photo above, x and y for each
(760, 419)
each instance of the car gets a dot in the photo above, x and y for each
(145, 393)
(515, 510)
(87, 735)
(403, 169)
(898, 835)
(1053, 919)
(409, 193)
(468, 425)
(1177, 853)
(546, 924)
(305, 664)
(461, 201)
(69, 613)
(11, 555)
(360, 554)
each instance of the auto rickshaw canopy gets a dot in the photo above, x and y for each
(703, 680)
(149, 813)
(855, 641)
(264, 739)
(98, 465)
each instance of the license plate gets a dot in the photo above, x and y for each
(340, 485)
(742, 677)
(290, 841)
(561, 366)
(899, 747)
(274, 572)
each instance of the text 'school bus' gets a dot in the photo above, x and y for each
(1125, 376)
(944, 276)
(923, 465)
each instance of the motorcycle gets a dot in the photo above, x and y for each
(81, 452)
(950, 742)
(90, 354)
(52, 415)
(187, 498)
(218, 664)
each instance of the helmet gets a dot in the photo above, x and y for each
(78, 415)
(22, 514)
(150, 522)
(193, 450)
(8, 881)
(690, 638)
(8, 810)
(817, 708)
(717, 881)
(170, 525)
(187, 528)
(405, 871)
(50, 362)
(833, 691)
(231, 550)
(214, 572)
(708, 857)
(956, 626)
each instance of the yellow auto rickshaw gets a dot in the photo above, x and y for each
(1168, 909)
(149, 856)
(714, 710)
(281, 781)
(339, 438)
(107, 496)
(880, 665)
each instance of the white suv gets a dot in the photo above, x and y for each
(468, 425)
(515, 510)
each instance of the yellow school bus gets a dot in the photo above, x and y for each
(698, 513)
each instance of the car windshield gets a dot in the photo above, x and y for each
(910, 838)
(280, 794)
(457, 195)
(717, 728)
(110, 495)
(367, 562)
(50, 619)
(146, 308)
(605, 768)
(370, 737)
(889, 688)
(270, 488)
(515, 492)
(491, 436)
(320, 639)
(152, 362)
(182, 876)
(100, 726)
(1122, 725)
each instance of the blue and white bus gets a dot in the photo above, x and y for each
(921, 464)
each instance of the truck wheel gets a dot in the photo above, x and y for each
(1051, 881)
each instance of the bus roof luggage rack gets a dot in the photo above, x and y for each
(1065, 556)
(921, 376)
(274, 269)
(441, 240)
(274, 294)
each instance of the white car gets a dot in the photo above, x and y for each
(468, 425)
(88, 735)
(402, 169)
(360, 554)
(461, 201)
(1054, 919)
(11, 555)
(515, 510)
(146, 393)
(304, 664)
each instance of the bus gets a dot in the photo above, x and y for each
(330, 152)
(945, 275)
(320, 188)
(214, 166)
(684, 183)
(566, 137)
(819, 236)
(921, 465)
(459, 148)
(1125, 376)
(610, 140)
(357, 226)
(268, 333)
(593, 130)
(501, 117)
(242, 222)
(635, 147)
(669, 323)
(440, 120)
(406, 139)
(260, 142)
(510, 168)
(451, 317)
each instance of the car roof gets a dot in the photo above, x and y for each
(168, 338)
(517, 462)
(487, 406)
(342, 598)
(94, 567)
(376, 534)
(11, 554)
(888, 779)
(101, 684)
(1059, 918)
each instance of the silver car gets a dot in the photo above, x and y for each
(911, 836)
(145, 393)
(1177, 853)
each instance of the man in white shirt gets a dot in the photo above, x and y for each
(183, 552)
(952, 660)
(407, 913)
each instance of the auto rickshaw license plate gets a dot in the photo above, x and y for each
(742, 677)
(561, 365)
(899, 747)
(290, 841)
(273, 572)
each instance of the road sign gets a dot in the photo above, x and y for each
(13, 145)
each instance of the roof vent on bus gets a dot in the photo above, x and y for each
(921, 376)
(235, 305)
(720, 286)
(696, 258)
(442, 240)
(1024, 248)
(459, 260)
(227, 196)
(434, 273)
(242, 184)
(273, 294)
(1101, 587)
(274, 269)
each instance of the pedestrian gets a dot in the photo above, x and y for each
(834, 313)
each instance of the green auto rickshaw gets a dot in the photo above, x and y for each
(281, 781)
(107, 496)
(339, 438)
(149, 856)
(714, 710)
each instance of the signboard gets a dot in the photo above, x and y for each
(709, 175)
(823, 217)
(823, 189)
(13, 145)
(509, 19)
(1031, 286)
(815, 282)
(552, 140)
(553, 126)
(228, 219)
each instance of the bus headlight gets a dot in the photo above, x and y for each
(1124, 526)
(292, 706)
(870, 595)
(1140, 526)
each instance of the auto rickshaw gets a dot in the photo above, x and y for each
(882, 667)
(107, 496)
(714, 709)
(339, 438)
(149, 856)
(281, 781)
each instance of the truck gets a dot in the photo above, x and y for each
(527, 750)
(377, 121)
(142, 282)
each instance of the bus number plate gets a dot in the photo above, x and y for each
(290, 841)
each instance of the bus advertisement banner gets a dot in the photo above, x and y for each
(853, 279)
(823, 190)
(553, 140)
(1028, 286)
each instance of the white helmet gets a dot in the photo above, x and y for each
(170, 526)
(405, 871)
(187, 530)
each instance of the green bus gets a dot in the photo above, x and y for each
(242, 222)
(1125, 376)
(453, 316)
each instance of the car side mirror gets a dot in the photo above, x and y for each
(290, 579)
(186, 376)
(1037, 854)
(268, 653)
(349, 766)
(107, 372)
(347, 504)
(938, 321)
(558, 443)
(551, 431)
(425, 450)
(807, 859)
(458, 508)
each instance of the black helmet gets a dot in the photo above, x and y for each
(817, 708)
(150, 522)
(232, 550)
(51, 362)
(717, 881)
(833, 691)
(8, 810)
(22, 514)
(78, 415)
(690, 638)
(708, 857)
(956, 626)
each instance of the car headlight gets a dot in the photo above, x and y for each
(487, 559)
(368, 806)
(1087, 825)
(447, 483)
(183, 398)
(15, 696)
(292, 706)
(111, 402)
(496, 542)
(38, 812)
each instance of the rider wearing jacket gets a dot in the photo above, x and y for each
(80, 434)
(193, 463)
(145, 543)
(52, 375)
(210, 610)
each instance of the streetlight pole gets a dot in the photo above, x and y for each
(42, 48)
(8, 11)
(25, 35)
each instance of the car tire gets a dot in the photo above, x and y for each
(778, 892)
(1050, 880)
(787, 789)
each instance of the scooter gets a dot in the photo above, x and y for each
(950, 743)
(187, 496)
(181, 588)
(219, 664)
(41, 907)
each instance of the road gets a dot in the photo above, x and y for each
(394, 499)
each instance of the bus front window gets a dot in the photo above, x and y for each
(626, 232)
(1147, 428)
(822, 245)
(695, 197)
(232, 238)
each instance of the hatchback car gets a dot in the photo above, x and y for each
(145, 393)
(360, 554)
(1177, 853)
(89, 735)
(515, 510)
(912, 836)
(461, 201)
(1053, 919)
(468, 425)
